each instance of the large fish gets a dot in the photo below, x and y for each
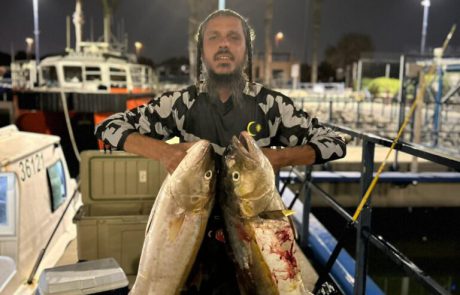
(177, 224)
(260, 235)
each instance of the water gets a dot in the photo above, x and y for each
(430, 237)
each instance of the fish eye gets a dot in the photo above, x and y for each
(236, 176)
(208, 175)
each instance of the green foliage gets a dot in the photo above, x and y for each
(383, 87)
(365, 82)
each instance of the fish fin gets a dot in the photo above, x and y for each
(294, 229)
(175, 226)
(152, 213)
(275, 214)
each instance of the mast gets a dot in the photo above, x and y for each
(78, 21)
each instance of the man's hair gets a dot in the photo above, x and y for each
(249, 36)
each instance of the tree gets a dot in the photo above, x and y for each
(348, 50)
(268, 20)
(316, 27)
(326, 72)
(199, 9)
(5, 59)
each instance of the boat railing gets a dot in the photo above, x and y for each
(79, 102)
(364, 233)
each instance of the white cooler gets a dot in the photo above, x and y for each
(83, 278)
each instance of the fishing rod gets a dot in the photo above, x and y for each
(39, 259)
(335, 253)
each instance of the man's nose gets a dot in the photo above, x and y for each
(224, 42)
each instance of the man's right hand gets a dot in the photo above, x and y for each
(169, 155)
(173, 155)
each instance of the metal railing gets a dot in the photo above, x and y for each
(363, 228)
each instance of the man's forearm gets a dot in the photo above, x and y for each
(169, 155)
(289, 156)
(145, 146)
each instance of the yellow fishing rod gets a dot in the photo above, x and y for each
(418, 98)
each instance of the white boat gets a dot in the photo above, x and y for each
(94, 68)
(87, 83)
(38, 200)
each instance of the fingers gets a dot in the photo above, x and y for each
(172, 156)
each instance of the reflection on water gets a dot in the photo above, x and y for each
(430, 237)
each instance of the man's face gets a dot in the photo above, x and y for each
(224, 47)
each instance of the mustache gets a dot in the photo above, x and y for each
(223, 51)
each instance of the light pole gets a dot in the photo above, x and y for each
(36, 32)
(221, 4)
(426, 7)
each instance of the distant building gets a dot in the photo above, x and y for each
(281, 68)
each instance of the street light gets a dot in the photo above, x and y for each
(36, 32)
(138, 45)
(278, 38)
(29, 42)
(426, 6)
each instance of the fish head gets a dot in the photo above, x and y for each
(249, 180)
(193, 181)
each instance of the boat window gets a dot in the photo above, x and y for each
(50, 77)
(72, 74)
(118, 76)
(56, 184)
(7, 203)
(147, 75)
(93, 74)
(136, 76)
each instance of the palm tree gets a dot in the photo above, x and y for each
(268, 43)
(316, 20)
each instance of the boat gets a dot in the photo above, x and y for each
(38, 200)
(81, 87)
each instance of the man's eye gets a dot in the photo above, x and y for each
(235, 37)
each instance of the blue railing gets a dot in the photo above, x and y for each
(361, 284)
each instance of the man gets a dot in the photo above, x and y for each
(225, 103)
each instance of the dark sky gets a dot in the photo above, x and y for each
(394, 25)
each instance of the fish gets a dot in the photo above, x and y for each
(258, 230)
(177, 223)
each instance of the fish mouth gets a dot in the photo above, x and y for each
(244, 145)
(198, 155)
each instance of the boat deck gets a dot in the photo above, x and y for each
(309, 275)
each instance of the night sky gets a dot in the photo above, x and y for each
(394, 25)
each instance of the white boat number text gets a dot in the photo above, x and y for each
(31, 166)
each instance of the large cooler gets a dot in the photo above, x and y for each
(118, 190)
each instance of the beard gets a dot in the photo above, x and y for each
(234, 81)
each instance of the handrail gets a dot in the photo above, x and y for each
(409, 148)
(363, 227)
(379, 242)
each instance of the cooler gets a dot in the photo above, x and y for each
(118, 190)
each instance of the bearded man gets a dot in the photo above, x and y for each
(216, 108)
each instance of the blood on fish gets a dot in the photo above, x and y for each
(283, 235)
(288, 257)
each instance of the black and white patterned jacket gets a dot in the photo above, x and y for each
(191, 114)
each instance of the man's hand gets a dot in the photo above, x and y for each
(169, 155)
(173, 155)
